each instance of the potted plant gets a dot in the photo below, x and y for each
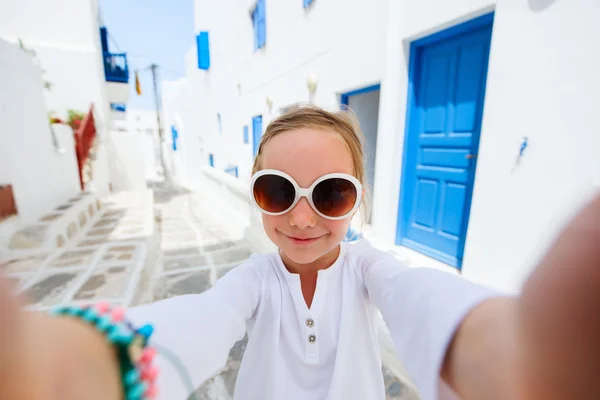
(74, 119)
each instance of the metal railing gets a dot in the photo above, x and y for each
(115, 67)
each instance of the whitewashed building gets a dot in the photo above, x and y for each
(71, 47)
(479, 115)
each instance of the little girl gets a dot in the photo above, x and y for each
(310, 309)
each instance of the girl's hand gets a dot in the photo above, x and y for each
(560, 315)
(43, 357)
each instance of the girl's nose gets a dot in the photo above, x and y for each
(302, 215)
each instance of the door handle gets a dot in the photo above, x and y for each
(470, 156)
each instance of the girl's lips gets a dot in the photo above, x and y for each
(303, 241)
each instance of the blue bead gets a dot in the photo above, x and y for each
(118, 336)
(146, 331)
(104, 323)
(90, 315)
(131, 377)
(136, 392)
(60, 310)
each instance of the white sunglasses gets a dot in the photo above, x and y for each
(333, 196)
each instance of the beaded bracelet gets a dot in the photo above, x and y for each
(135, 356)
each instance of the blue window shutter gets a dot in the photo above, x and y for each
(255, 26)
(104, 39)
(203, 50)
(263, 23)
(246, 134)
(174, 135)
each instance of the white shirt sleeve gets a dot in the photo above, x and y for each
(200, 329)
(422, 308)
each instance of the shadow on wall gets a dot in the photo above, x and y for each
(540, 5)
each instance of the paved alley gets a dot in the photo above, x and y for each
(143, 247)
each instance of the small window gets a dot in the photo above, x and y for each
(259, 24)
(211, 160)
(246, 134)
(203, 51)
(307, 3)
(219, 125)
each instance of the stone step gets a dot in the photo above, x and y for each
(59, 227)
(109, 261)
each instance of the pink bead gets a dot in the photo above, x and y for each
(118, 314)
(148, 355)
(149, 374)
(102, 307)
(151, 392)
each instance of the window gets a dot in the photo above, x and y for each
(259, 24)
(246, 134)
(211, 160)
(203, 51)
(307, 3)
(219, 125)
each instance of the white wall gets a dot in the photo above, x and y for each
(65, 35)
(542, 83)
(341, 42)
(43, 176)
(127, 166)
(58, 23)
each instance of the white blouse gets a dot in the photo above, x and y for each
(328, 351)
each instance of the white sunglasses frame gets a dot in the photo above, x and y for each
(307, 192)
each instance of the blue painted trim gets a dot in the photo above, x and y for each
(119, 107)
(468, 26)
(232, 170)
(404, 209)
(104, 39)
(345, 96)
(245, 134)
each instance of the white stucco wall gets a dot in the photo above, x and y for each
(127, 166)
(341, 42)
(43, 176)
(65, 36)
(542, 83)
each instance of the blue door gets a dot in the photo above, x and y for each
(446, 96)
(256, 133)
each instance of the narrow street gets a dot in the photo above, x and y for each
(143, 247)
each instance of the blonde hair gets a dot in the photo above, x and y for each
(344, 124)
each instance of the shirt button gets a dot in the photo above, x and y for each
(310, 322)
(312, 338)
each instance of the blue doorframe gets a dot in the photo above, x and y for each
(344, 97)
(446, 93)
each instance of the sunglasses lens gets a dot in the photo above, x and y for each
(335, 197)
(273, 193)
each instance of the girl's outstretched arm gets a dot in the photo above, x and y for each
(422, 308)
(47, 357)
(200, 330)
(541, 345)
